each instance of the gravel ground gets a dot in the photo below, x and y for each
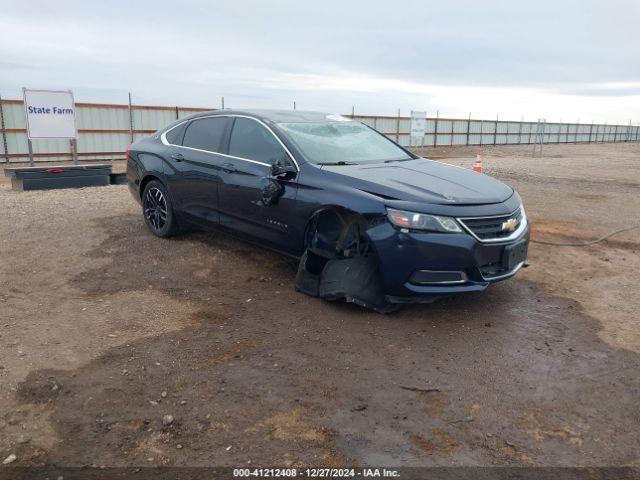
(107, 330)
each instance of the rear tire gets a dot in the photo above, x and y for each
(157, 210)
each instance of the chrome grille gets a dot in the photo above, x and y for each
(490, 229)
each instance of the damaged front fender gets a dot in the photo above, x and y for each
(338, 263)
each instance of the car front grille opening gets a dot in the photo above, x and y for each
(494, 228)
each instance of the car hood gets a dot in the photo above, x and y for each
(423, 180)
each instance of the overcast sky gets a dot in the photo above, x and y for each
(560, 59)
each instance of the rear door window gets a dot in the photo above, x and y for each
(250, 140)
(205, 133)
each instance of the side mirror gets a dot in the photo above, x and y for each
(281, 168)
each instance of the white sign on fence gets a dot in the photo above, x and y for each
(50, 114)
(418, 126)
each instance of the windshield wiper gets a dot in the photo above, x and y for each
(341, 162)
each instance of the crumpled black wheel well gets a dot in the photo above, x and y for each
(336, 232)
(338, 261)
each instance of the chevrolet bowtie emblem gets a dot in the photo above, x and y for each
(510, 225)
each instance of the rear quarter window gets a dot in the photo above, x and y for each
(174, 136)
(205, 133)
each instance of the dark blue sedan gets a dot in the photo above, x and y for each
(369, 221)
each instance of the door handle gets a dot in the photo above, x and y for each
(229, 167)
(178, 157)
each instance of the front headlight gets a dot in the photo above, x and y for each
(422, 221)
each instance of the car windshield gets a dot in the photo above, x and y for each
(342, 143)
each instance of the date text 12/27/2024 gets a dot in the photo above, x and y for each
(316, 472)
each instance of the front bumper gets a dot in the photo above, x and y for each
(401, 255)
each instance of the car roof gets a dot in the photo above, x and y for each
(279, 116)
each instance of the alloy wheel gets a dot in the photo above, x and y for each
(155, 208)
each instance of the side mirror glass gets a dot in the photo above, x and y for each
(281, 167)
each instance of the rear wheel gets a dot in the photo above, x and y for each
(157, 210)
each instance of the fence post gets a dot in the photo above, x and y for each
(30, 146)
(481, 128)
(452, 123)
(495, 131)
(73, 143)
(468, 127)
(398, 128)
(615, 135)
(4, 133)
(574, 135)
(130, 118)
(590, 130)
(435, 129)
(520, 130)
(177, 113)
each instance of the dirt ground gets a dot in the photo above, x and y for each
(105, 331)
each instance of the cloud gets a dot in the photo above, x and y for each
(555, 59)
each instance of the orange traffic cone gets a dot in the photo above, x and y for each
(477, 165)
